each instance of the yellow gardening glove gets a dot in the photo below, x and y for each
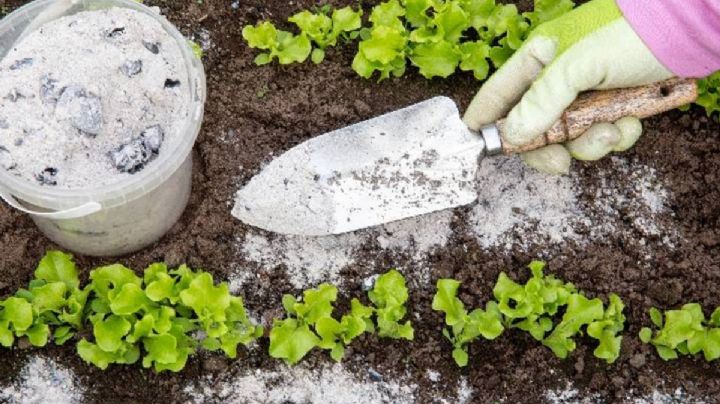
(591, 47)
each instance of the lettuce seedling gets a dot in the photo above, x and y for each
(310, 323)
(606, 330)
(389, 296)
(383, 47)
(464, 327)
(684, 332)
(283, 45)
(530, 307)
(533, 307)
(325, 30)
(51, 307)
(158, 317)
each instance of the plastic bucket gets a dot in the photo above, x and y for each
(124, 217)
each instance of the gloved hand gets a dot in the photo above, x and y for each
(591, 47)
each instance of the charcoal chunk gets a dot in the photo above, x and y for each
(131, 157)
(116, 32)
(49, 91)
(374, 375)
(48, 176)
(14, 95)
(132, 67)
(22, 63)
(170, 83)
(6, 160)
(153, 47)
(81, 108)
(153, 138)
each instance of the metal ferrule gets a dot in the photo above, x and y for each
(493, 141)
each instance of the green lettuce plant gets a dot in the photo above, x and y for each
(533, 307)
(437, 36)
(284, 46)
(709, 95)
(325, 28)
(685, 331)
(318, 31)
(163, 317)
(389, 297)
(51, 308)
(463, 328)
(310, 323)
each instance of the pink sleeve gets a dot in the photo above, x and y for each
(683, 34)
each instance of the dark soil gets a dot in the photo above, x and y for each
(254, 113)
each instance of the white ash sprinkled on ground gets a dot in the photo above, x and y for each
(327, 384)
(639, 202)
(419, 235)
(43, 381)
(518, 205)
(433, 376)
(239, 278)
(464, 392)
(308, 260)
(571, 395)
(311, 260)
(676, 397)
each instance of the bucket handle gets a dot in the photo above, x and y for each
(74, 213)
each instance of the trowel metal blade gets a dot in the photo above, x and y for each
(407, 163)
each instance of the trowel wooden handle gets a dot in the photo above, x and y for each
(609, 106)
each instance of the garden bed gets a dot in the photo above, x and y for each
(644, 224)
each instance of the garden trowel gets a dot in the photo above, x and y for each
(411, 162)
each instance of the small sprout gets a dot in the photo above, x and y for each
(132, 67)
(153, 47)
(197, 50)
(389, 296)
(48, 176)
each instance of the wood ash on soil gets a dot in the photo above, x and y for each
(518, 208)
(90, 99)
